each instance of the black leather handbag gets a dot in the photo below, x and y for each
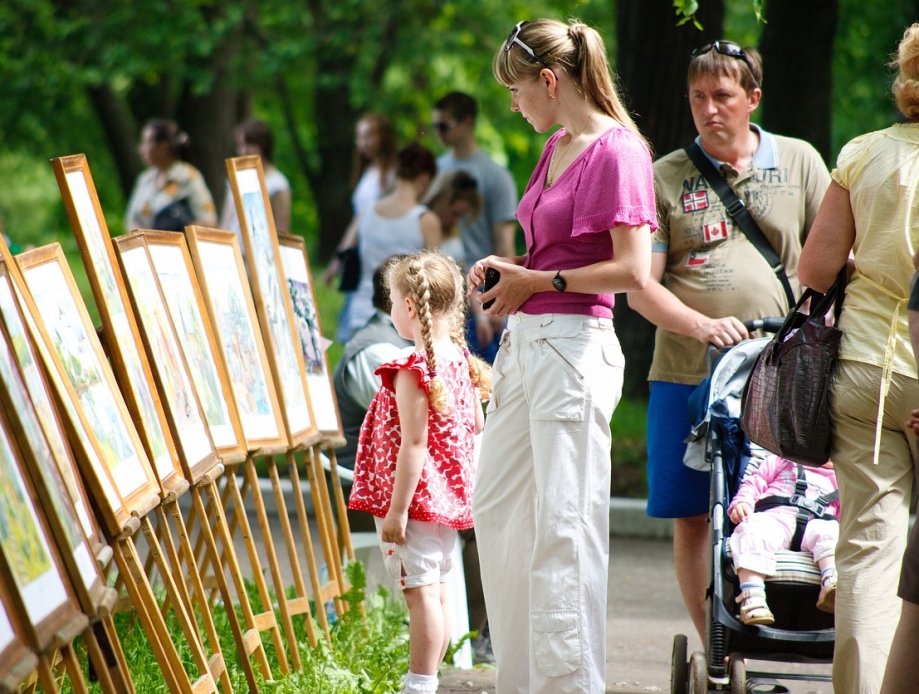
(174, 217)
(785, 403)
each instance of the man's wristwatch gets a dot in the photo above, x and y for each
(559, 282)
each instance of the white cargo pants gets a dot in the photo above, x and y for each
(541, 505)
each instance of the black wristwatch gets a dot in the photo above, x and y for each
(559, 282)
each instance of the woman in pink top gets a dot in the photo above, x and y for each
(541, 506)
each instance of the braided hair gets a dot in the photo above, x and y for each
(435, 284)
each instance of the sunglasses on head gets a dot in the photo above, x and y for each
(724, 48)
(514, 38)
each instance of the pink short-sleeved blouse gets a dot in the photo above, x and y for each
(567, 225)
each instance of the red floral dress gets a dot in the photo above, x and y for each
(444, 492)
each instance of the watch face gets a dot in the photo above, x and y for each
(559, 282)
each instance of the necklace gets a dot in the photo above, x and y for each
(553, 162)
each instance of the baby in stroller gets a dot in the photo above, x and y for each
(783, 505)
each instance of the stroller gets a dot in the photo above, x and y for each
(801, 633)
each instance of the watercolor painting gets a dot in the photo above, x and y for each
(110, 495)
(268, 276)
(306, 319)
(24, 541)
(236, 332)
(166, 356)
(41, 400)
(102, 268)
(71, 341)
(175, 281)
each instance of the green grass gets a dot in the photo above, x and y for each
(366, 655)
(629, 451)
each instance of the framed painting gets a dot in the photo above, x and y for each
(129, 362)
(295, 262)
(228, 300)
(65, 328)
(52, 491)
(40, 395)
(272, 302)
(179, 284)
(29, 564)
(17, 662)
(186, 419)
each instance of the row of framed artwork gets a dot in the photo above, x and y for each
(207, 357)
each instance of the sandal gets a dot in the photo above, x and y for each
(753, 608)
(827, 599)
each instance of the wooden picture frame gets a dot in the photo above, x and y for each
(40, 394)
(17, 662)
(272, 302)
(128, 361)
(228, 300)
(179, 284)
(126, 485)
(29, 563)
(295, 262)
(187, 423)
(54, 494)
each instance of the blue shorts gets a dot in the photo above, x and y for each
(674, 490)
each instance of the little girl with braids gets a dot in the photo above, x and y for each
(414, 467)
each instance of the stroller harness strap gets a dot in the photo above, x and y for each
(808, 509)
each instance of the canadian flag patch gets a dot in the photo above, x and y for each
(695, 201)
(718, 231)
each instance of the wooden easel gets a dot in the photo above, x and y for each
(196, 451)
(122, 511)
(53, 473)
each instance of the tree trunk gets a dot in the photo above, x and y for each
(210, 121)
(652, 58)
(335, 120)
(121, 133)
(797, 49)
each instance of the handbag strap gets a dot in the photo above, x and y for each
(735, 207)
(819, 306)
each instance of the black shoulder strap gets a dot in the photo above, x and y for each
(740, 214)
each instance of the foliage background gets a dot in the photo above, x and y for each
(84, 75)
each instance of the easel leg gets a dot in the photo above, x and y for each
(249, 642)
(217, 662)
(341, 508)
(138, 587)
(311, 566)
(271, 554)
(206, 682)
(263, 621)
(323, 508)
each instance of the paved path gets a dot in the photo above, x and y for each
(645, 611)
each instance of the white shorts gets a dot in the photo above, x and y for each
(425, 558)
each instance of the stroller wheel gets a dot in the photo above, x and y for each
(679, 667)
(737, 670)
(698, 674)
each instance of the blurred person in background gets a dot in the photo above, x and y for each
(171, 193)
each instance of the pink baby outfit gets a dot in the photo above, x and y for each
(444, 492)
(758, 537)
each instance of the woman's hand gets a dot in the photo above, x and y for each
(394, 527)
(512, 289)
